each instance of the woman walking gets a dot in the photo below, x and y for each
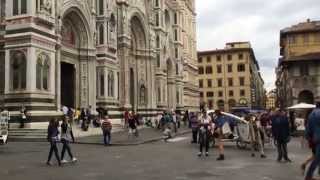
(53, 138)
(66, 137)
(204, 133)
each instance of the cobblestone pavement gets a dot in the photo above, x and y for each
(174, 160)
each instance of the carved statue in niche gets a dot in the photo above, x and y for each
(46, 6)
(142, 93)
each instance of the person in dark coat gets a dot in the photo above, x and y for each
(313, 136)
(53, 138)
(281, 134)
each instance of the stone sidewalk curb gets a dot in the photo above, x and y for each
(151, 140)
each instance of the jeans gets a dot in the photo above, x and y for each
(107, 137)
(66, 146)
(194, 135)
(204, 141)
(53, 147)
(282, 150)
(315, 163)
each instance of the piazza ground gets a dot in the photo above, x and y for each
(175, 160)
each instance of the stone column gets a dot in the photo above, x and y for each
(57, 76)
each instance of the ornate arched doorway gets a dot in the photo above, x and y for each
(74, 87)
(137, 64)
(306, 97)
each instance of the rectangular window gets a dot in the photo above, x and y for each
(157, 20)
(230, 93)
(241, 68)
(101, 84)
(200, 83)
(219, 69)
(230, 81)
(176, 35)
(158, 60)
(200, 69)
(200, 59)
(209, 82)
(220, 93)
(242, 92)
(304, 69)
(208, 70)
(229, 57)
(210, 94)
(241, 81)
(175, 18)
(15, 6)
(219, 58)
(219, 82)
(201, 94)
(101, 9)
(306, 38)
(23, 6)
(208, 59)
(292, 39)
(229, 68)
(176, 53)
(240, 56)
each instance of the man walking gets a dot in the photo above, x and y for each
(313, 135)
(281, 134)
(106, 129)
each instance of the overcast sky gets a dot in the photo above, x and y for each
(257, 21)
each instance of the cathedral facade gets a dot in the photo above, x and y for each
(116, 54)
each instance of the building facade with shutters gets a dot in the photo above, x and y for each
(230, 78)
(298, 70)
(138, 55)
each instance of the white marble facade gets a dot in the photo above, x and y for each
(116, 54)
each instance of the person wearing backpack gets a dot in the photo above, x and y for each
(106, 126)
(66, 138)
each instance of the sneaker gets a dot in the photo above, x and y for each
(200, 154)
(288, 160)
(74, 159)
(263, 156)
(63, 161)
(220, 158)
(207, 154)
(49, 163)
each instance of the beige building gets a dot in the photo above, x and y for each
(230, 77)
(118, 54)
(271, 99)
(298, 71)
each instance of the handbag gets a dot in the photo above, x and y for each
(226, 130)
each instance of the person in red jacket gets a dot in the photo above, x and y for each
(106, 126)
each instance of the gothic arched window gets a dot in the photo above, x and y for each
(42, 70)
(110, 84)
(18, 70)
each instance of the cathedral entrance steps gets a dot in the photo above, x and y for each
(31, 135)
(27, 134)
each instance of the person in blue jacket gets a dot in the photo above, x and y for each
(313, 136)
(281, 134)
